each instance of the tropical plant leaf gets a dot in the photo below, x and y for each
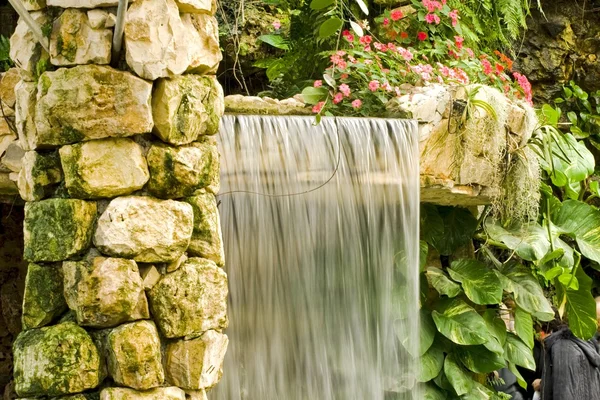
(460, 323)
(581, 221)
(432, 392)
(580, 306)
(430, 364)
(442, 283)
(513, 368)
(276, 41)
(479, 359)
(313, 95)
(461, 380)
(320, 4)
(518, 353)
(447, 228)
(423, 252)
(330, 27)
(527, 291)
(530, 241)
(497, 329)
(524, 326)
(416, 345)
(480, 284)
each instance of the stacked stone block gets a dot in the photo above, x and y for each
(125, 295)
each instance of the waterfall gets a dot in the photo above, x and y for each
(323, 272)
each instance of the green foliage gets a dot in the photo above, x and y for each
(5, 61)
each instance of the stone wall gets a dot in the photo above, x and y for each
(466, 154)
(125, 296)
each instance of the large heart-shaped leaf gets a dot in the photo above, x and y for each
(479, 359)
(277, 41)
(430, 364)
(581, 221)
(442, 283)
(580, 306)
(320, 4)
(497, 329)
(313, 95)
(480, 284)
(530, 241)
(480, 392)
(460, 323)
(431, 392)
(527, 291)
(459, 378)
(330, 27)
(518, 353)
(424, 339)
(524, 326)
(447, 228)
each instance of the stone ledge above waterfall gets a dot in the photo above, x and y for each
(465, 152)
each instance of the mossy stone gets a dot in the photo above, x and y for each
(39, 175)
(43, 299)
(164, 393)
(56, 360)
(57, 229)
(206, 240)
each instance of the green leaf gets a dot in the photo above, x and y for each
(524, 326)
(423, 252)
(447, 228)
(513, 368)
(479, 359)
(527, 291)
(330, 27)
(460, 323)
(442, 283)
(313, 95)
(569, 281)
(518, 353)
(427, 332)
(460, 379)
(497, 330)
(277, 41)
(582, 221)
(430, 364)
(431, 392)
(480, 284)
(320, 4)
(529, 241)
(580, 306)
(551, 114)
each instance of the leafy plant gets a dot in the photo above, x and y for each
(5, 61)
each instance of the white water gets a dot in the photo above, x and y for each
(319, 282)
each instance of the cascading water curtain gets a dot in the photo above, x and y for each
(320, 225)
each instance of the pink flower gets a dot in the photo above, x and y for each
(345, 89)
(380, 46)
(357, 103)
(318, 107)
(344, 76)
(341, 53)
(276, 24)
(366, 39)
(424, 71)
(373, 86)
(422, 36)
(526, 86)
(348, 36)
(387, 87)
(318, 83)
(368, 62)
(405, 53)
(487, 67)
(397, 90)
(351, 59)
(432, 6)
(469, 52)
(391, 46)
(367, 48)
(338, 98)
(454, 17)
(396, 15)
(458, 40)
(386, 21)
(432, 18)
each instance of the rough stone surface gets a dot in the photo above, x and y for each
(196, 394)
(104, 168)
(104, 292)
(8, 81)
(177, 172)
(25, 93)
(7, 185)
(186, 107)
(150, 276)
(238, 104)
(25, 51)
(34, 5)
(155, 39)
(38, 175)
(134, 357)
(207, 241)
(90, 102)
(74, 41)
(145, 229)
(191, 300)
(203, 39)
(13, 157)
(57, 229)
(99, 18)
(197, 363)
(197, 6)
(167, 393)
(43, 300)
(84, 3)
(56, 360)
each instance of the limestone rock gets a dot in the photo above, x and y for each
(84, 3)
(43, 300)
(57, 229)
(150, 276)
(239, 104)
(55, 360)
(74, 41)
(145, 229)
(8, 82)
(25, 93)
(104, 168)
(177, 172)
(155, 39)
(197, 6)
(25, 51)
(196, 394)
(101, 19)
(7, 185)
(104, 292)
(90, 102)
(39, 173)
(13, 157)
(207, 241)
(173, 266)
(134, 357)
(186, 107)
(34, 5)
(196, 364)
(166, 393)
(203, 39)
(191, 300)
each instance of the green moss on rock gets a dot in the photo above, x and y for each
(206, 240)
(57, 229)
(54, 361)
(43, 299)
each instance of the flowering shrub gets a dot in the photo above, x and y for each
(425, 46)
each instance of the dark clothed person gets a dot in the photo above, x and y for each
(570, 368)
